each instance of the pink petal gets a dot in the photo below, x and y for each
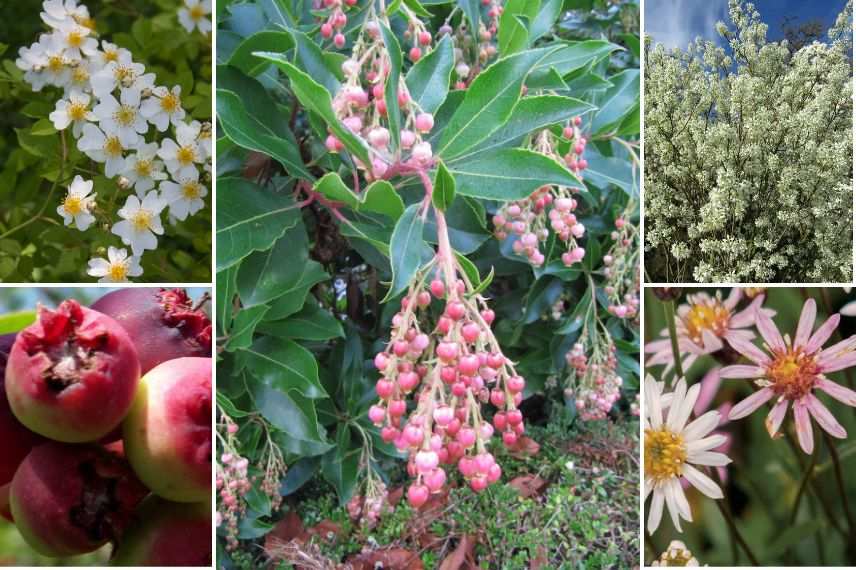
(750, 351)
(775, 417)
(768, 330)
(741, 371)
(822, 334)
(658, 345)
(824, 417)
(839, 363)
(837, 391)
(750, 404)
(747, 316)
(838, 349)
(806, 324)
(709, 386)
(733, 298)
(710, 341)
(804, 434)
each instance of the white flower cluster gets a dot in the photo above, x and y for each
(120, 118)
(748, 157)
(194, 15)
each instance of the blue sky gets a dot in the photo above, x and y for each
(676, 23)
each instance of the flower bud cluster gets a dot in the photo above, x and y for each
(334, 18)
(622, 270)
(550, 207)
(473, 54)
(574, 157)
(450, 371)
(368, 508)
(593, 382)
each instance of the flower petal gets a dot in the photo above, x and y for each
(750, 351)
(701, 482)
(672, 502)
(775, 417)
(679, 414)
(822, 334)
(750, 404)
(804, 431)
(742, 371)
(708, 443)
(710, 458)
(769, 331)
(653, 411)
(701, 426)
(824, 417)
(837, 391)
(655, 510)
(806, 323)
(839, 362)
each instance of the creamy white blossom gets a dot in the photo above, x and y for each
(73, 111)
(75, 40)
(164, 107)
(140, 222)
(101, 147)
(123, 72)
(78, 203)
(186, 197)
(181, 154)
(55, 13)
(116, 268)
(122, 117)
(194, 15)
(143, 169)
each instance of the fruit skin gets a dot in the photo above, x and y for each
(167, 433)
(71, 499)
(17, 439)
(167, 534)
(72, 375)
(162, 323)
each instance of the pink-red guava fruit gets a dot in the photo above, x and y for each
(72, 375)
(167, 534)
(163, 323)
(69, 499)
(17, 440)
(167, 432)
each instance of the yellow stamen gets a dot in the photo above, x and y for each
(197, 12)
(80, 74)
(665, 454)
(191, 190)
(73, 205)
(56, 63)
(170, 103)
(113, 146)
(77, 111)
(792, 373)
(185, 155)
(141, 220)
(711, 316)
(111, 55)
(118, 271)
(74, 38)
(125, 115)
(143, 168)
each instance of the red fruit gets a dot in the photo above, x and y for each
(438, 288)
(417, 495)
(167, 534)
(326, 30)
(71, 499)
(514, 417)
(415, 54)
(71, 376)
(339, 40)
(162, 323)
(425, 38)
(455, 310)
(168, 430)
(384, 388)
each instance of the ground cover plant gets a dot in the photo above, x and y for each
(748, 426)
(427, 249)
(748, 172)
(106, 146)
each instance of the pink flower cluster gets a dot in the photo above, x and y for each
(622, 271)
(593, 382)
(574, 157)
(333, 14)
(368, 508)
(450, 372)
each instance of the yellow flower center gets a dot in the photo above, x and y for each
(170, 103)
(191, 190)
(73, 204)
(74, 38)
(85, 22)
(125, 115)
(77, 111)
(118, 271)
(185, 155)
(711, 316)
(665, 454)
(197, 12)
(676, 557)
(123, 73)
(110, 55)
(792, 373)
(113, 146)
(56, 63)
(141, 220)
(80, 74)
(143, 168)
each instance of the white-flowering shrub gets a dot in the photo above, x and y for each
(748, 172)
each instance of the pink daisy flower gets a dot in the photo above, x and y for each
(791, 371)
(702, 324)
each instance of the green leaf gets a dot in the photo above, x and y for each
(249, 218)
(617, 102)
(489, 102)
(244, 326)
(308, 275)
(417, 8)
(465, 220)
(531, 114)
(603, 171)
(266, 40)
(544, 20)
(331, 186)
(225, 294)
(311, 59)
(510, 174)
(572, 57)
(277, 12)
(248, 132)
(390, 90)
(469, 269)
(311, 323)
(513, 33)
(318, 100)
(295, 417)
(405, 249)
(285, 365)
(428, 79)
(444, 188)
(485, 283)
(340, 467)
(380, 197)
(472, 11)
(13, 322)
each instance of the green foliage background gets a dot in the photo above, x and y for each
(34, 245)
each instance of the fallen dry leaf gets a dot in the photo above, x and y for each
(524, 447)
(529, 485)
(288, 529)
(391, 559)
(458, 558)
(326, 530)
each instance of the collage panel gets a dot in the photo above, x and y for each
(748, 411)
(105, 421)
(748, 142)
(105, 141)
(428, 284)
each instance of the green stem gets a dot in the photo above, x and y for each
(839, 479)
(722, 504)
(803, 484)
(669, 310)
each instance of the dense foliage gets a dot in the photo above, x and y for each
(748, 170)
(403, 179)
(71, 200)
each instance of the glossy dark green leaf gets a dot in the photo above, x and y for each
(544, 19)
(312, 60)
(299, 474)
(465, 220)
(513, 34)
(380, 197)
(604, 171)
(405, 249)
(225, 293)
(244, 326)
(267, 40)
(340, 466)
(285, 365)
(444, 188)
(572, 57)
(428, 79)
(311, 323)
(390, 90)
(295, 418)
(310, 274)
(472, 12)
(617, 102)
(250, 218)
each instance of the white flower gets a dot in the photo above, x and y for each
(676, 555)
(72, 111)
(75, 40)
(672, 447)
(180, 156)
(193, 15)
(140, 222)
(110, 52)
(123, 72)
(122, 117)
(44, 63)
(204, 140)
(56, 13)
(164, 107)
(116, 268)
(184, 198)
(142, 169)
(77, 204)
(79, 80)
(103, 148)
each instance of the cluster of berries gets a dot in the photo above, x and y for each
(622, 270)
(333, 14)
(368, 508)
(593, 382)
